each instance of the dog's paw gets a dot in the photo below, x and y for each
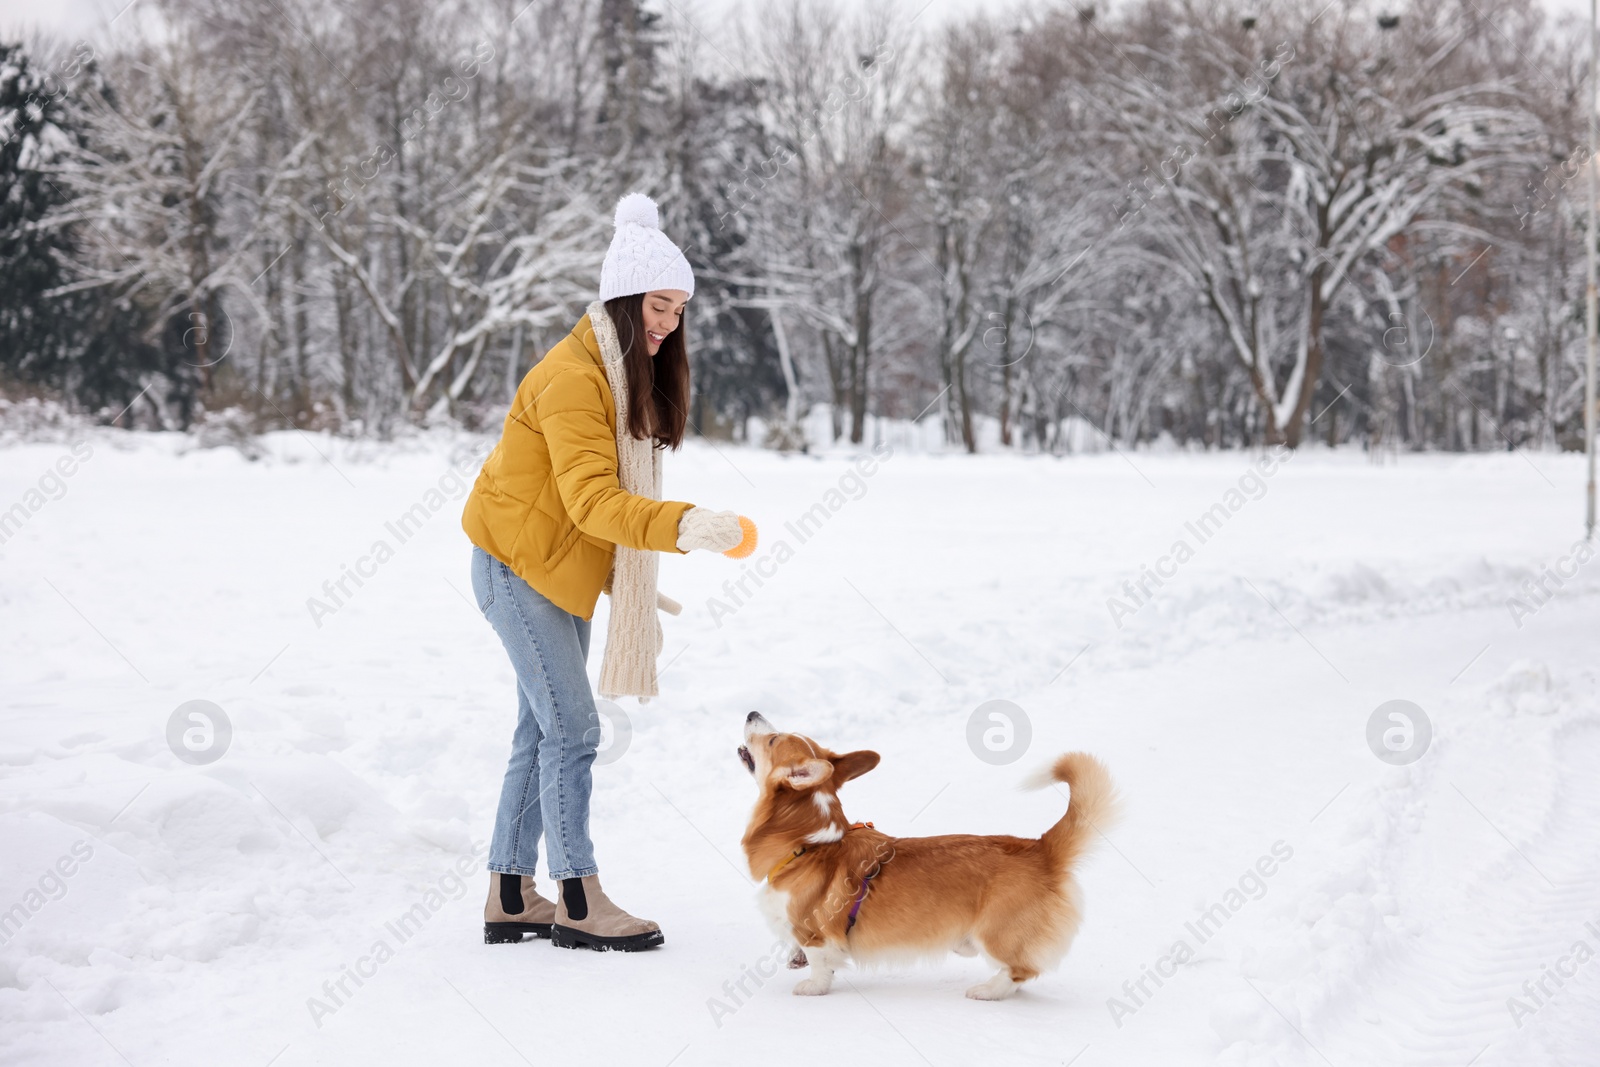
(812, 987)
(997, 988)
(798, 960)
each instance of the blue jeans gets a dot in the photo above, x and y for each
(547, 783)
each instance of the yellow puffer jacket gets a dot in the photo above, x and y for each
(547, 502)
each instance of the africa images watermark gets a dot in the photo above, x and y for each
(832, 104)
(1537, 995)
(51, 886)
(451, 485)
(1255, 87)
(851, 485)
(1251, 486)
(337, 992)
(1251, 885)
(1539, 591)
(999, 732)
(60, 81)
(1554, 182)
(343, 189)
(199, 732)
(51, 485)
(737, 992)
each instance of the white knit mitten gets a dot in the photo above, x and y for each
(716, 531)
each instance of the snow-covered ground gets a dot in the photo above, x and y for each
(1276, 893)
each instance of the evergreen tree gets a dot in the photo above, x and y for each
(83, 344)
(34, 336)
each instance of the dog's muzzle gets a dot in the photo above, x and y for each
(755, 725)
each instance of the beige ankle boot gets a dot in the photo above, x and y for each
(586, 918)
(514, 909)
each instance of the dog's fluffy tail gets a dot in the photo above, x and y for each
(1091, 807)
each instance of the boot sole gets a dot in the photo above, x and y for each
(567, 937)
(507, 933)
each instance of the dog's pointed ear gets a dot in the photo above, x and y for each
(807, 774)
(854, 765)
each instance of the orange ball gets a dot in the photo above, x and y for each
(746, 546)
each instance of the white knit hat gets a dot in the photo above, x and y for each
(641, 258)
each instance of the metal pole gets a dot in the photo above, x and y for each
(1589, 240)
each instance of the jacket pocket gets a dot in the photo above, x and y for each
(528, 546)
(567, 535)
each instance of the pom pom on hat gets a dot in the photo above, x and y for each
(641, 258)
(638, 209)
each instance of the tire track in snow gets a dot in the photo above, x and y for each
(1438, 997)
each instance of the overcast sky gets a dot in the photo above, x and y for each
(89, 18)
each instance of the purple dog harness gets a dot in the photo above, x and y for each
(857, 905)
(854, 908)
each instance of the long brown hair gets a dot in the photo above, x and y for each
(658, 385)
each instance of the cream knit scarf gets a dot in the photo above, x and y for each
(633, 635)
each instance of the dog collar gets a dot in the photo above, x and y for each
(797, 853)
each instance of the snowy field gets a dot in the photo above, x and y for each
(1276, 893)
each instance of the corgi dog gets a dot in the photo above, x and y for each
(837, 890)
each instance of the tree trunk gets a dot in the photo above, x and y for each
(861, 351)
(835, 384)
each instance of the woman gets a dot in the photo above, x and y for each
(568, 506)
